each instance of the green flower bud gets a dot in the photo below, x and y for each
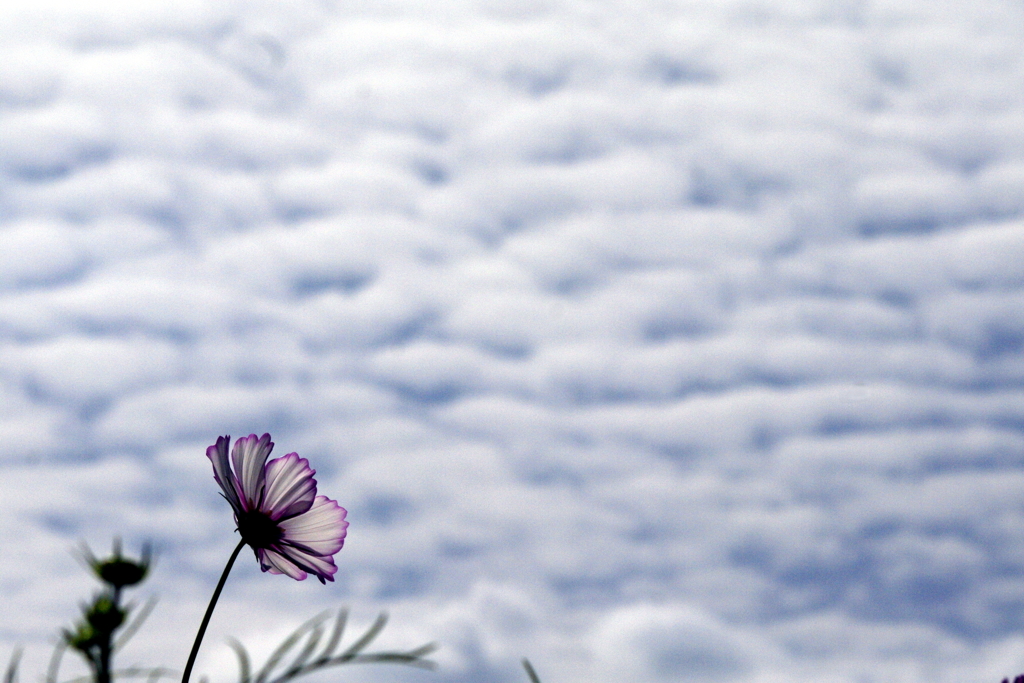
(116, 570)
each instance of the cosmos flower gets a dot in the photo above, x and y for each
(290, 528)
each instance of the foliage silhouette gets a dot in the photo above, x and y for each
(309, 656)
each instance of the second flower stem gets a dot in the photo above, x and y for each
(209, 613)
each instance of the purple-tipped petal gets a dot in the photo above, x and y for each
(322, 567)
(249, 457)
(321, 530)
(290, 487)
(218, 455)
(275, 563)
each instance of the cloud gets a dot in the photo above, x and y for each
(652, 342)
(669, 643)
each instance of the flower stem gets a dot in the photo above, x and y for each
(209, 613)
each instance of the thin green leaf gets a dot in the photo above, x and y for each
(311, 643)
(367, 638)
(423, 650)
(244, 672)
(287, 645)
(529, 671)
(12, 668)
(152, 673)
(54, 667)
(336, 634)
(132, 672)
(134, 625)
(393, 658)
(136, 671)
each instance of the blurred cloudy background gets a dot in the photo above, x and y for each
(655, 340)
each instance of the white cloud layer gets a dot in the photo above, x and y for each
(652, 341)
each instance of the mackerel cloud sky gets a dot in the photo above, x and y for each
(653, 340)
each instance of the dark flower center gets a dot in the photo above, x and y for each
(258, 530)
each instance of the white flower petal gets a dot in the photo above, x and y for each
(290, 487)
(323, 567)
(218, 455)
(276, 563)
(322, 528)
(249, 457)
